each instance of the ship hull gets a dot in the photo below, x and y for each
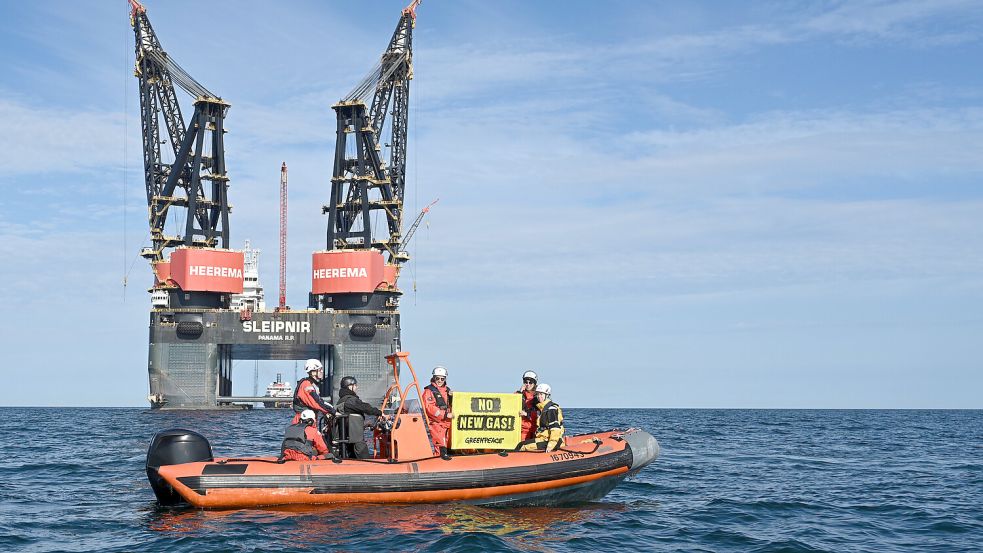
(192, 352)
(276, 404)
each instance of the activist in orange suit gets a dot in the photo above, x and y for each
(529, 412)
(437, 403)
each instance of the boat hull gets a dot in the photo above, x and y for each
(585, 469)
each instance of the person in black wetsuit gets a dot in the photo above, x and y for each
(349, 403)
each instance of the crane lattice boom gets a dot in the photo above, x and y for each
(363, 183)
(416, 223)
(198, 149)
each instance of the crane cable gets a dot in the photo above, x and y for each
(415, 105)
(126, 119)
(126, 137)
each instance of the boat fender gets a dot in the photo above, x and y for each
(189, 329)
(644, 449)
(174, 447)
(362, 330)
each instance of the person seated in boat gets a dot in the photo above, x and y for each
(437, 404)
(307, 394)
(349, 403)
(302, 441)
(549, 433)
(529, 411)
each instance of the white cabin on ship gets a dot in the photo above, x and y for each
(252, 297)
(283, 391)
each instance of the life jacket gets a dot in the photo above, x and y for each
(550, 416)
(529, 404)
(295, 438)
(299, 405)
(356, 422)
(439, 397)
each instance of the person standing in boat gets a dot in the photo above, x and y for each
(349, 403)
(437, 403)
(307, 394)
(302, 441)
(549, 434)
(529, 411)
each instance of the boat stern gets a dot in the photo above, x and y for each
(173, 447)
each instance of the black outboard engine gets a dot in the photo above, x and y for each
(173, 447)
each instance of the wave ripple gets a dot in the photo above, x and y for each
(728, 480)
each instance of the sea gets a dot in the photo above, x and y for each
(73, 479)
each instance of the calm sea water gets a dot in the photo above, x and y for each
(728, 480)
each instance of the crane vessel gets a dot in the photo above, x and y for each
(198, 328)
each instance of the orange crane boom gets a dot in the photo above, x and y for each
(283, 235)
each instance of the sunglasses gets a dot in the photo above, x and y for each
(440, 378)
(528, 381)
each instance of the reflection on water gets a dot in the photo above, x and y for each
(182, 521)
(321, 524)
(534, 520)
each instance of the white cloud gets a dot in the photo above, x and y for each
(724, 246)
(910, 20)
(41, 139)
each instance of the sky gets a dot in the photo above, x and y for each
(651, 204)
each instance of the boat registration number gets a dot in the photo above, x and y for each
(567, 455)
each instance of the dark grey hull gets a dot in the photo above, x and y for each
(192, 351)
(571, 495)
(643, 449)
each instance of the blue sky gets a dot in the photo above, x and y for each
(653, 204)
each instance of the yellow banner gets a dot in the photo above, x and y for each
(486, 421)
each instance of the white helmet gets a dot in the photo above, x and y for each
(312, 365)
(530, 374)
(307, 415)
(544, 388)
(439, 370)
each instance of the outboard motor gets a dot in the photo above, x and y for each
(173, 447)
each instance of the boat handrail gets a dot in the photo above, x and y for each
(393, 360)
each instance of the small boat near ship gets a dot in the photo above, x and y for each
(585, 469)
(406, 468)
(281, 392)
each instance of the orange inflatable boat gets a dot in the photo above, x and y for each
(181, 469)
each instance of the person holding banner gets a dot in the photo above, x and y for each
(529, 410)
(437, 403)
(549, 434)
